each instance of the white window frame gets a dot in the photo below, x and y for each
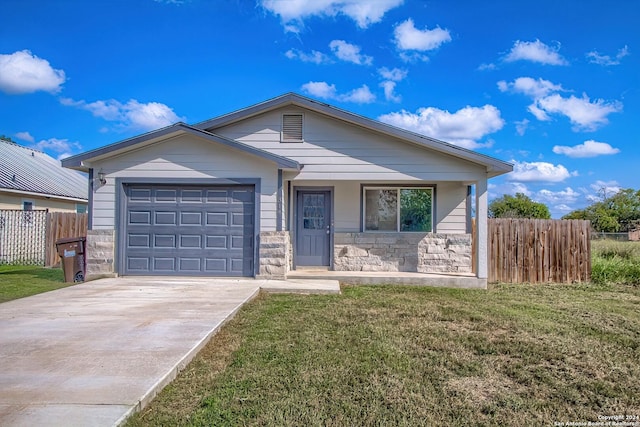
(398, 189)
(288, 140)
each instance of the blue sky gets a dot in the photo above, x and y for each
(552, 86)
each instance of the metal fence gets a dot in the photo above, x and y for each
(22, 237)
(621, 237)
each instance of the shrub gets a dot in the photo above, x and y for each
(615, 262)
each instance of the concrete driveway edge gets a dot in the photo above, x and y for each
(181, 364)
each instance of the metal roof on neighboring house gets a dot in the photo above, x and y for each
(23, 169)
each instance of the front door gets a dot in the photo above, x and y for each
(313, 228)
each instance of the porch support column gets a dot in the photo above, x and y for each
(481, 229)
(279, 203)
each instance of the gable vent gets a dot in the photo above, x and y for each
(292, 127)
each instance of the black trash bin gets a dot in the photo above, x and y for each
(71, 251)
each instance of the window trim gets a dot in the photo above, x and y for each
(398, 188)
(289, 140)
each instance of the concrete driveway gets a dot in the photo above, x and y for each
(88, 355)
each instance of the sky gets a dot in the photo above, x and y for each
(550, 86)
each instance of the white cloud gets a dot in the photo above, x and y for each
(391, 78)
(23, 72)
(25, 136)
(464, 127)
(535, 52)
(510, 188)
(521, 126)
(61, 147)
(132, 115)
(538, 172)
(583, 114)
(389, 88)
(530, 87)
(548, 197)
(589, 148)
(562, 208)
(602, 190)
(606, 60)
(349, 52)
(292, 13)
(487, 67)
(395, 74)
(361, 95)
(314, 56)
(408, 37)
(538, 113)
(320, 89)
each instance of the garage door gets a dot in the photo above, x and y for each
(189, 230)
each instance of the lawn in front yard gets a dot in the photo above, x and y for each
(22, 281)
(391, 355)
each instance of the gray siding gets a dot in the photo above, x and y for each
(184, 157)
(335, 150)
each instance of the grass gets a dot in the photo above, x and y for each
(513, 355)
(23, 281)
(615, 262)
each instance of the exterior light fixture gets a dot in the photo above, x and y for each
(101, 177)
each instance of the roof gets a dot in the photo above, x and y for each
(25, 170)
(207, 129)
(494, 166)
(79, 161)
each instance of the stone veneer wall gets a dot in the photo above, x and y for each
(99, 253)
(411, 252)
(275, 254)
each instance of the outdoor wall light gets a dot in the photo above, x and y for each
(101, 178)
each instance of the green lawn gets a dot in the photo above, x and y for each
(513, 355)
(23, 281)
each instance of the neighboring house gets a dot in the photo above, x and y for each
(32, 180)
(287, 184)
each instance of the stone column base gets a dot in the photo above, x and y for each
(274, 255)
(99, 254)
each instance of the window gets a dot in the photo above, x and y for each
(27, 214)
(291, 128)
(81, 208)
(398, 209)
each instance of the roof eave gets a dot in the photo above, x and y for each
(82, 161)
(46, 195)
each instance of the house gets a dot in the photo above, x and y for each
(285, 185)
(32, 180)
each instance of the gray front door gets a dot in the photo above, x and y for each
(189, 230)
(313, 228)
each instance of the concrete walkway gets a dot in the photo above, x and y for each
(91, 354)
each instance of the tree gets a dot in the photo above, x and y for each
(617, 213)
(7, 138)
(518, 206)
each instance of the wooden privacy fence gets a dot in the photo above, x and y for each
(61, 225)
(539, 251)
(29, 237)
